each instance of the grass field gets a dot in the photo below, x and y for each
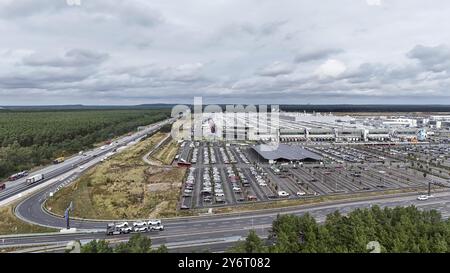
(123, 187)
(10, 224)
(166, 153)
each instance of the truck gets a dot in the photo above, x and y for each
(18, 175)
(111, 229)
(35, 178)
(58, 160)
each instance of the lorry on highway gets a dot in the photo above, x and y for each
(35, 178)
(59, 160)
(136, 227)
(18, 175)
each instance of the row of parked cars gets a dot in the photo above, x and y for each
(234, 179)
(224, 155)
(245, 183)
(232, 159)
(206, 157)
(194, 155)
(189, 184)
(218, 187)
(138, 227)
(212, 185)
(242, 156)
(259, 175)
(212, 154)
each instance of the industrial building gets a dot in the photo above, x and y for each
(284, 153)
(317, 127)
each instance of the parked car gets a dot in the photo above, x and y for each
(251, 198)
(283, 194)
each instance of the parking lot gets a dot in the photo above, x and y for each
(226, 175)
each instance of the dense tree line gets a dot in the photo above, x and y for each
(36, 137)
(397, 230)
(136, 244)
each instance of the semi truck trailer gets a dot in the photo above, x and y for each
(35, 178)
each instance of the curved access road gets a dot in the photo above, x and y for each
(215, 232)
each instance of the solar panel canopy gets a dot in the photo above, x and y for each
(286, 152)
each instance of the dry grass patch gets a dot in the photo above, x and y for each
(159, 186)
(166, 153)
(120, 188)
(10, 224)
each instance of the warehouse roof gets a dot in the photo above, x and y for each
(284, 151)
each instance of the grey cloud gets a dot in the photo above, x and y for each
(74, 57)
(26, 8)
(435, 58)
(139, 51)
(43, 78)
(129, 12)
(276, 69)
(317, 54)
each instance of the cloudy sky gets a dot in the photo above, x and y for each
(227, 51)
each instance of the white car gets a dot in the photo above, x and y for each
(262, 184)
(122, 225)
(218, 194)
(158, 228)
(283, 194)
(126, 229)
(422, 197)
(140, 224)
(140, 229)
(154, 222)
(301, 193)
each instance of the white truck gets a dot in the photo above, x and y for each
(35, 178)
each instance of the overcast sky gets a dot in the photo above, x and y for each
(227, 51)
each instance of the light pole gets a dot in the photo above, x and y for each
(67, 215)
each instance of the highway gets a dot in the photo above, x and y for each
(215, 232)
(73, 163)
(212, 232)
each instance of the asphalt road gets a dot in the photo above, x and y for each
(211, 232)
(214, 232)
(73, 163)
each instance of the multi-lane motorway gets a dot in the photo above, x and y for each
(209, 232)
(214, 232)
(74, 163)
